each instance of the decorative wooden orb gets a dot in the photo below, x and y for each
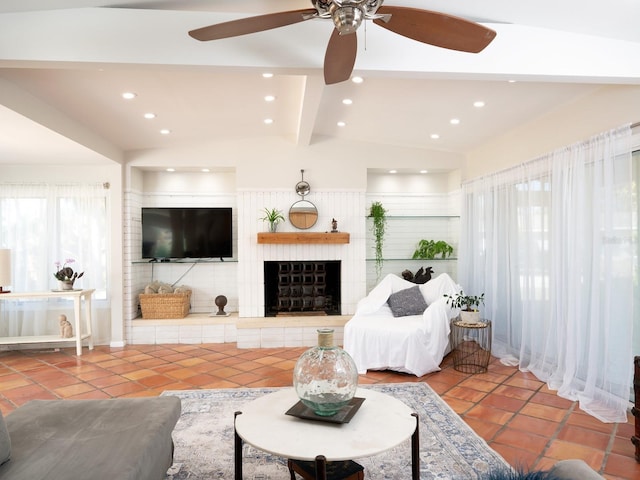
(221, 301)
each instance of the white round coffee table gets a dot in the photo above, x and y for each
(381, 423)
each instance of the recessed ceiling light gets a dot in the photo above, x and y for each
(205, 170)
(171, 169)
(393, 171)
(165, 131)
(149, 115)
(454, 121)
(435, 136)
(342, 124)
(129, 95)
(268, 121)
(478, 104)
(512, 81)
(267, 75)
(347, 101)
(269, 98)
(357, 79)
(424, 171)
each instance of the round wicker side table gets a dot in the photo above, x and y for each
(471, 345)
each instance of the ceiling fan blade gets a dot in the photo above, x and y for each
(434, 28)
(259, 23)
(340, 57)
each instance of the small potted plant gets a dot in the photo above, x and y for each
(468, 305)
(428, 249)
(273, 216)
(65, 274)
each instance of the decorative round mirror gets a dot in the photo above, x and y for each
(302, 187)
(303, 214)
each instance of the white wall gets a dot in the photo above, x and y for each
(609, 107)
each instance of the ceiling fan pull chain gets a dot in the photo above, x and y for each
(365, 36)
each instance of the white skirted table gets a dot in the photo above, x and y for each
(78, 336)
(381, 423)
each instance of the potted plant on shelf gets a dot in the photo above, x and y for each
(428, 249)
(378, 213)
(468, 305)
(273, 216)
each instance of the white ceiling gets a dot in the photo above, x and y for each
(64, 64)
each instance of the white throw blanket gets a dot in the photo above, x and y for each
(413, 344)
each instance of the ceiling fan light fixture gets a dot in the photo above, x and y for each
(347, 19)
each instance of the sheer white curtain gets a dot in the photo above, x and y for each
(551, 243)
(43, 224)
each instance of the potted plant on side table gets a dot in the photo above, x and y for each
(468, 305)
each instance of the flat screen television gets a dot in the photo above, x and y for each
(187, 233)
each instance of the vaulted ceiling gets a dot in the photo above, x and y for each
(65, 63)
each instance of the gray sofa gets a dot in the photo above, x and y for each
(124, 439)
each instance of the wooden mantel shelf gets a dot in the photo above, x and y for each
(303, 237)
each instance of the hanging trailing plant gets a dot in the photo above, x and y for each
(377, 212)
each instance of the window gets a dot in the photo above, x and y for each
(45, 224)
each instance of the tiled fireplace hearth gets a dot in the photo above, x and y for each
(302, 288)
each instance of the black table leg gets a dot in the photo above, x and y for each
(415, 450)
(237, 449)
(321, 467)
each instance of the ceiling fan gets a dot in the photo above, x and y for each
(425, 26)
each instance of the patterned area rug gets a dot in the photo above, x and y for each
(449, 449)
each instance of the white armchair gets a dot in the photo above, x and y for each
(412, 343)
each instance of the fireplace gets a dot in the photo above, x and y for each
(302, 288)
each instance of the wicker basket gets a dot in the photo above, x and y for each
(165, 305)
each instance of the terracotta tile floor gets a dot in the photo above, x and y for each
(514, 412)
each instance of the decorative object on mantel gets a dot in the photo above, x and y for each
(273, 216)
(468, 305)
(428, 249)
(423, 275)
(325, 376)
(5, 269)
(303, 214)
(302, 188)
(334, 226)
(66, 330)
(378, 213)
(161, 301)
(65, 275)
(220, 302)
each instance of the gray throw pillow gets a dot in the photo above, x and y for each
(407, 302)
(5, 441)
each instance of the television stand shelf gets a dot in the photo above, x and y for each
(78, 337)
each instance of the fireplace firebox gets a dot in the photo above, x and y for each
(302, 288)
